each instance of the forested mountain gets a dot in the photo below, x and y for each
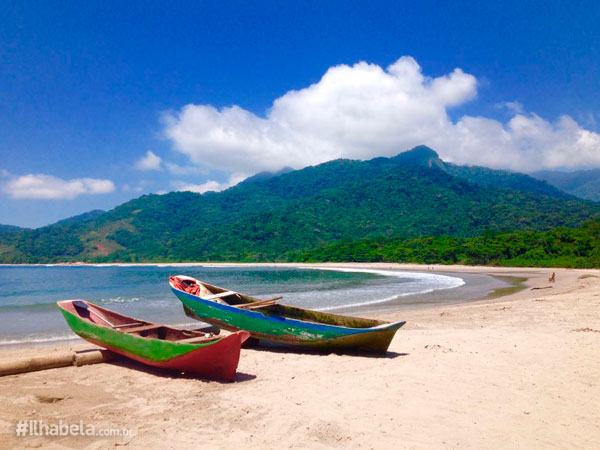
(9, 228)
(558, 247)
(483, 176)
(581, 183)
(426, 157)
(81, 217)
(412, 195)
(261, 176)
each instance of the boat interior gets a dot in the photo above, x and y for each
(129, 325)
(269, 307)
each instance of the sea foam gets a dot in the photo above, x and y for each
(423, 283)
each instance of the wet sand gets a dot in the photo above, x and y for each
(517, 371)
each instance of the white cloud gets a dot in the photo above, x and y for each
(38, 186)
(513, 107)
(525, 143)
(149, 161)
(201, 188)
(210, 185)
(363, 111)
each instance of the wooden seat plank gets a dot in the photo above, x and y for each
(143, 328)
(193, 339)
(219, 295)
(259, 304)
(125, 325)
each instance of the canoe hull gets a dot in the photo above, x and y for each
(288, 331)
(217, 359)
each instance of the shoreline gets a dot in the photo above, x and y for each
(374, 265)
(473, 287)
(515, 284)
(515, 371)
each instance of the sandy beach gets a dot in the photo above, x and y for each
(520, 371)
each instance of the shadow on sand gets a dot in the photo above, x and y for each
(127, 363)
(264, 346)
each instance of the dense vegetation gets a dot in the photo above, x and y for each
(81, 217)
(582, 183)
(276, 218)
(9, 228)
(482, 176)
(560, 247)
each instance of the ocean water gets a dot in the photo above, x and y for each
(28, 295)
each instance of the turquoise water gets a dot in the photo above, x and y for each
(28, 313)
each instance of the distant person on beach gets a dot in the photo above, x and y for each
(552, 279)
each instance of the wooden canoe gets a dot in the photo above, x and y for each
(154, 344)
(276, 322)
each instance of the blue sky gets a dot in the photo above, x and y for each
(103, 101)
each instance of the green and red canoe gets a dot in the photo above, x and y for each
(284, 324)
(154, 344)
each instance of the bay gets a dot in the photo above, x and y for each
(28, 294)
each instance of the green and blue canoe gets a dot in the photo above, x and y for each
(280, 323)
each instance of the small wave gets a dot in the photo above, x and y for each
(50, 305)
(111, 300)
(374, 302)
(434, 282)
(32, 339)
(449, 281)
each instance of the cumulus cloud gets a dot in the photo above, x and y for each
(149, 161)
(363, 111)
(513, 107)
(47, 187)
(210, 185)
(200, 188)
(526, 143)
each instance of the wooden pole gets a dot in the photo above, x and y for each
(93, 356)
(38, 363)
(79, 358)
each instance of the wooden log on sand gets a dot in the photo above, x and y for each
(38, 363)
(79, 358)
(93, 356)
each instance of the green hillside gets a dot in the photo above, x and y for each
(274, 217)
(482, 176)
(81, 217)
(581, 183)
(9, 228)
(559, 247)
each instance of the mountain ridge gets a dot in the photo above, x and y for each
(89, 215)
(10, 228)
(413, 194)
(581, 183)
